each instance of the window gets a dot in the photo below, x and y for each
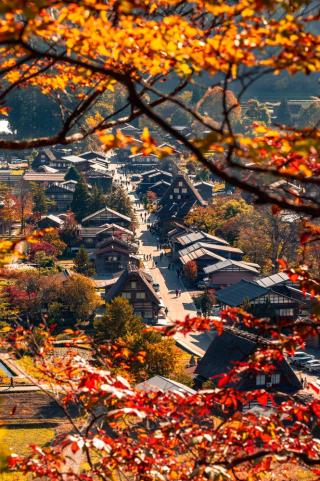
(179, 196)
(275, 378)
(180, 183)
(176, 190)
(171, 196)
(126, 295)
(133, 285)
(285, 312)
(260, 380)
(141, 295)
(112, 259)
(184, 190)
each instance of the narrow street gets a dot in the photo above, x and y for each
(178, 307)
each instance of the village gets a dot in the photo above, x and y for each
(138, 252)
(138, 243)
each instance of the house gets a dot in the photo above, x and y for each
(47, 169)
(281, 278)
(90, 236)
(189, 237)
(81, 164)
(164, 384)
(50, 221)
(61, 195)
(12, 178)
(106, 216)
(99, 179)
(159, 188)
(259, 300)
(228, 272)
(205, 189)
(177, 202)
(44, 178)
(225, 251)
(235, 345)
(113, 255)
(44, 157)
(134, 285)
(140, 163)
(95, 156)
(203, 258)
(151, 177)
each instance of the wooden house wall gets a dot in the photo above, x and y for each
(221, 279)
(144, 308)
(106, 218)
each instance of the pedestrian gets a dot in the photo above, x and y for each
(166, 311)
(11, 382)
(177, 293)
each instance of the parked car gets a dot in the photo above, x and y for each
(136, 178)
(300, 358)
(312, 366)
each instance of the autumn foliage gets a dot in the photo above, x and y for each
(152, 50)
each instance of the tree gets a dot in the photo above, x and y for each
(81, 200)
(205, 302)
(148, 53)
(72, 174)
(119, 200)
(118, 321)
(22, 205)
(53, 238)
(277, 233)
(191, 270)
(79, 297)
(82, 263)
(69, 232)
(213, 219)
(44, 247)
(40, 202)
(8, 213)
(97, 200)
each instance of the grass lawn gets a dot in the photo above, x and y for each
(26, 364)
(18, 439)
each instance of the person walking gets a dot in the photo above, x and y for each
(177, 293)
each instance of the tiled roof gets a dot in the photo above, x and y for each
(192, 237)
(199, 253)
(74, 159)
(237, 294)
(273, 280)
(131, 272)
(236, 345)
(160, 383)
(107, 209)
(211, 247)
(53, 218)
(220, 266)
(44, 177)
